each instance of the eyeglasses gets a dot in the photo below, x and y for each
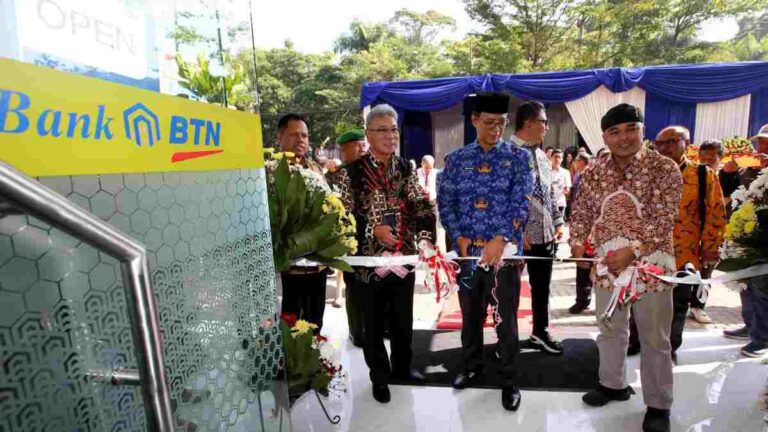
(383, 131)
(666, 142)
(495, 123)
(545, 122)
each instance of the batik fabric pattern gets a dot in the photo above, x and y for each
(544, 215)
(690, 237)
(388, 193)
(635, 207)
(484, 194)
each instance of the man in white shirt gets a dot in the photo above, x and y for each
(561, 180)
(428, 176)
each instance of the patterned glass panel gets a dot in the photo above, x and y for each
(63, 307)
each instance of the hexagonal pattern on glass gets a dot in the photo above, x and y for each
(210, 254)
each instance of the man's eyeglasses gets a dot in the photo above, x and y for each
(666, 142)
(495, 123)
(383, 131)
(545, 122)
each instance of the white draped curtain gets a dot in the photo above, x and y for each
(447, 132)
(587, 111)
(719, 120)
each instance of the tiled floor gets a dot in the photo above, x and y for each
(716, 390)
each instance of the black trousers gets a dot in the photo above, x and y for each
(681, 296)
(304, 295)
(354, 317)
(387, 303)
(540, 276)
(474, 296)
(583, 285)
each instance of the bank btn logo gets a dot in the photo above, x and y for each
(141, 125)
(139, 121)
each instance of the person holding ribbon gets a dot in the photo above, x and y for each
(393, 214)
(627, 206)
(698, 231)
(481, 196)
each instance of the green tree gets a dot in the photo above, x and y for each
(198, 79)
(538, 26)
(421, 28)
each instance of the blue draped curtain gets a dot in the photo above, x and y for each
(417, 135)
(661, 112)
(758, 111)
(680, 83)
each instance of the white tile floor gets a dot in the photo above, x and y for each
(716, 390)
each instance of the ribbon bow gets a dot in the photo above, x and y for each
(440, 271)
(399, 270)
(625, 290)
(690, 276)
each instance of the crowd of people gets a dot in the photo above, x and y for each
(626, 204)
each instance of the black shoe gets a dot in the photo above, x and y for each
(544, 343)
(381, 393)
(465, 379)
(633, 349)
(358, 342)
(602, 395)
(741, 333)
(656, 420)
(510, 398)
(578, 308)
(411, 376)
(755, 349)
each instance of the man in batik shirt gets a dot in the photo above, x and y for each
(545, 223)
(393, 214)
(481, 197)
(627, 206)
(698, 231)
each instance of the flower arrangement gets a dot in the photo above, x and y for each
(746, 234)
(737, 146)
(307, 219)
(307, 363)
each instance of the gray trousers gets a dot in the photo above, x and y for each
(653, 315)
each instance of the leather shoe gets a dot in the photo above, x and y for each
(510, 398)
(465, 379)
(412, 376)
(381, 393)
(602, 395)
(656, 420)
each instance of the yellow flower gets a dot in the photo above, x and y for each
(269, 150)
(290, 154)
(749, 227)
(302, 327)
(278, 155)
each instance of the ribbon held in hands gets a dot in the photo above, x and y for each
(440, 271)
(625, 291)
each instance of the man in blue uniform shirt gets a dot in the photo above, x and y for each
(481, 197)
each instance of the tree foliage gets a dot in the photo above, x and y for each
(518, 36)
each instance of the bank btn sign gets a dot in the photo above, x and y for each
(60, 123)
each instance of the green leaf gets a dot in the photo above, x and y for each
(335, 250)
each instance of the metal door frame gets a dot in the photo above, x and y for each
(21, 193)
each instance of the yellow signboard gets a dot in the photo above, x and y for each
(60, 123)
